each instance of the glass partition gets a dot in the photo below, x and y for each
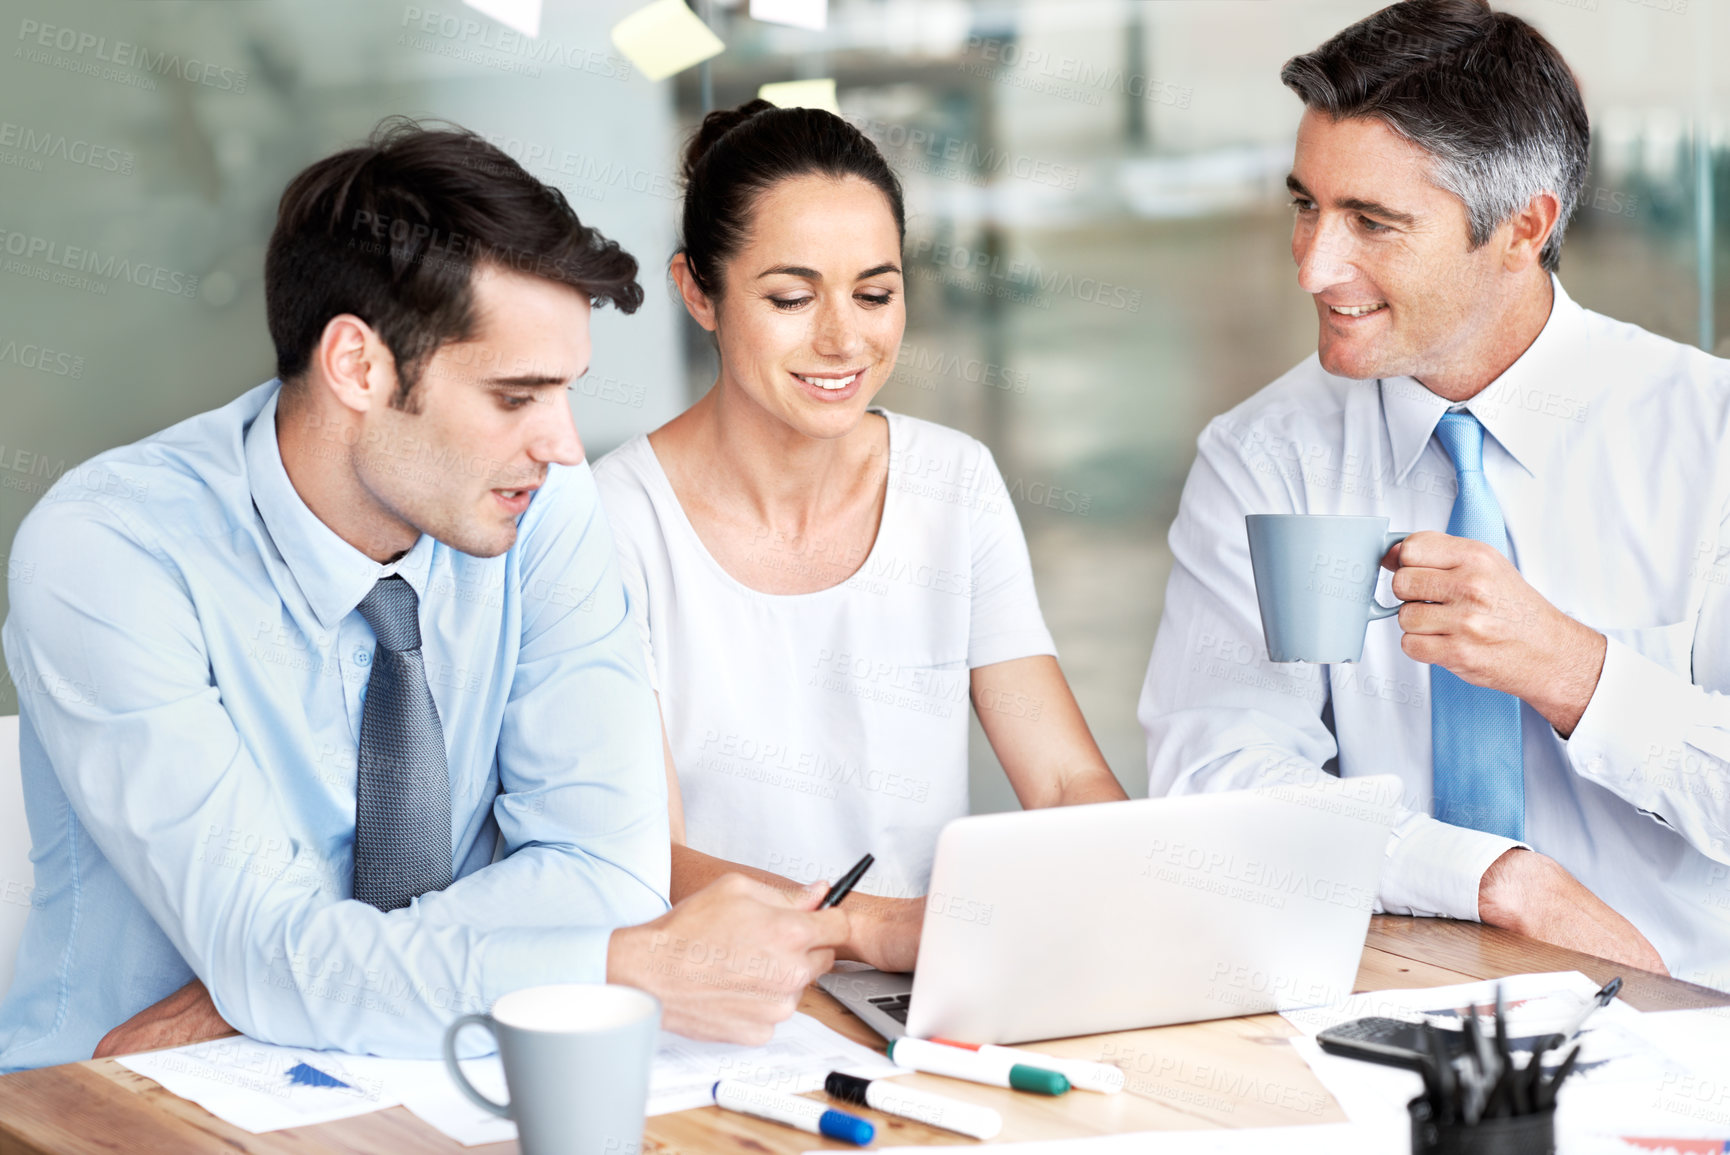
(1098, 241)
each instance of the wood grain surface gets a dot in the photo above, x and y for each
(1226, 1073)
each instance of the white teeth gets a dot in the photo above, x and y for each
(829, 383)
(510, 494)
(1357, 310)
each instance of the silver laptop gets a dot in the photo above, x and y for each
(1076, 920)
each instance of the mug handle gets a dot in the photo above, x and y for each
(502, 1110)
(1377, 609)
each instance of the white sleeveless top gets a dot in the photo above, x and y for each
(808, 729)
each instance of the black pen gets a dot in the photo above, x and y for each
(1475, 1074)
(1562, 1039)
(1601, 999)
(1554, 1085)
(1432, 1081)
(1505, 1059)
(1533, 1078)
(1447, 1109)
(846, 882)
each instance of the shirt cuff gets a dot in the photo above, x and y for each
(1634, 712)
(535, 957)
(1434, 868)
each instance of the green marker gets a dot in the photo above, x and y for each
(992, 1070)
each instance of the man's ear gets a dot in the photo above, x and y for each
(697, 302)
(1531, 229)
(354, 364)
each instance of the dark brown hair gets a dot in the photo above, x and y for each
(1481, 91)
(392, 231)
(737, 154)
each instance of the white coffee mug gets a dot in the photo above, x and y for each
(576, 1059)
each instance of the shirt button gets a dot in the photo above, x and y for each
(363, 657)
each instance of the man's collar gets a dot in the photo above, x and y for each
(1527, 409)
(332, 574)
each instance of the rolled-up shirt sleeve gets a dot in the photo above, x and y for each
(106, 647)
(1657, 730)
(1220, 716)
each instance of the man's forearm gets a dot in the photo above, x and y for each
(1532, 894)
(186, 1016)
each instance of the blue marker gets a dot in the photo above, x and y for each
(805, 1114)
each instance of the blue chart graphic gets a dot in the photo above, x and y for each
(305, 1075)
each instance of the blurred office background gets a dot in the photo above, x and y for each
(1098, 242)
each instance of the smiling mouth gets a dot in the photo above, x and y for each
(1358, 310)
(831, 383)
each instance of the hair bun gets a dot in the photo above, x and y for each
(716, 125)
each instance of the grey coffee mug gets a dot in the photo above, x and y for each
(1315, 579)
(576, 1059)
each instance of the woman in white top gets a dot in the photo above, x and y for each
(824, 587)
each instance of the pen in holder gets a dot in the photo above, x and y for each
(1480, 1102)
(1515, 1135)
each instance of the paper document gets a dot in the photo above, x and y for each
(1537, 1004)
(802, 94)
(797, 1059)
(812, 14)
(522, 15)
(258, 1087)
(664, 38)
(1612, 1051)
(1643, 1083)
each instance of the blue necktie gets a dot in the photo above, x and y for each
(402, 813)
(1478, 777)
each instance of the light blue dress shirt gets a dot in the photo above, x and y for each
(1608, 451)
(191, 669)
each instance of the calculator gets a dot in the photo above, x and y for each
(1392, 1042)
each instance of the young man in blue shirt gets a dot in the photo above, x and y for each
(333, 723)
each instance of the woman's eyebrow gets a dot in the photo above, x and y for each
(814, 275)
(792, 271)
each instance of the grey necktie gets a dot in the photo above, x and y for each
(402, 811)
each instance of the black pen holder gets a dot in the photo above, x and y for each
(1514, 1135)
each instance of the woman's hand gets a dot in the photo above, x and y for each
(885, 931)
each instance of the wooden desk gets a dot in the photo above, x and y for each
(1228, 1073)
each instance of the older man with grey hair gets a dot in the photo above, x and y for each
(1554, 697)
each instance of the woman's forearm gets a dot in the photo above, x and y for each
(693, 870)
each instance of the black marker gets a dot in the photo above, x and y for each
(844, 885)
(891, 1098)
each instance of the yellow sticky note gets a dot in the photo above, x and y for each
(664, 38)
(802, 94)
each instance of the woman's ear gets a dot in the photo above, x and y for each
(697, 302)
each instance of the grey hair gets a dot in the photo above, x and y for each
(1491, 101)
